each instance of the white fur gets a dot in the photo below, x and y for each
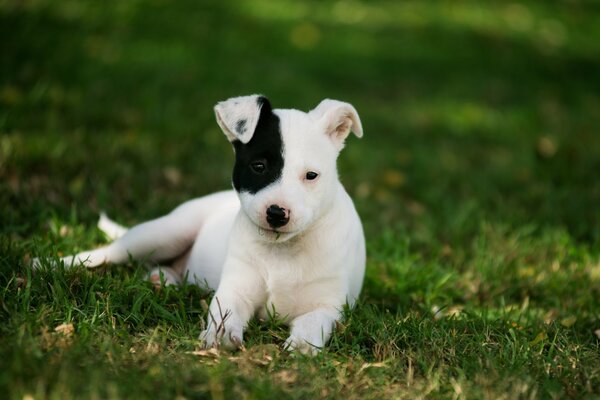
(229, 112)
(306, 272)
(111, 229)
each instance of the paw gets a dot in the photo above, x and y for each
(227, 337)
(159, 275)
(294, 343)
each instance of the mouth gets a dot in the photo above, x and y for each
(273, 233)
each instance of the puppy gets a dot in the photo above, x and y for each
(287, 239)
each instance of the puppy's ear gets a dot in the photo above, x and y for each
(239, 116)
(338, 120)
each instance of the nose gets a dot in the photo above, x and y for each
(277, 216)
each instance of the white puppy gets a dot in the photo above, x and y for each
(288, 239)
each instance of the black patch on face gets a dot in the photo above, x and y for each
(266, 146)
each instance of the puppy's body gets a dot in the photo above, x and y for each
(289, 269)
(287, 240)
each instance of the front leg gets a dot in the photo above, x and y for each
(241, 291)
(310, 332)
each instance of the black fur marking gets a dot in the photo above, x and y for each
(266, 146)
(240, 126)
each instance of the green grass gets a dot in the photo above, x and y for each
(477, 181)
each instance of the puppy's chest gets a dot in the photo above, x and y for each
(287, 283)
(284, 287)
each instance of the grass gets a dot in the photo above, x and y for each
(477, 182)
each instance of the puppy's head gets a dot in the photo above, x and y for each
(285, 160)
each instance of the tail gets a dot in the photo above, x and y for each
(111, 229)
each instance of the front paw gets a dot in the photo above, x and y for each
(294, 343)
(227, 337)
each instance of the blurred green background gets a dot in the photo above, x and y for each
(472, 111)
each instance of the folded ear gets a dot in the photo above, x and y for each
(239, 116)
(338, 120)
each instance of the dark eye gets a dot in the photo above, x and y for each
(258, 167)
(310, 175)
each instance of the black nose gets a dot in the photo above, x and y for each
(277, 216)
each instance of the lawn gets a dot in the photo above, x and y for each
(478, 182)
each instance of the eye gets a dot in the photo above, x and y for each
(310, 175)
(258, 167)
